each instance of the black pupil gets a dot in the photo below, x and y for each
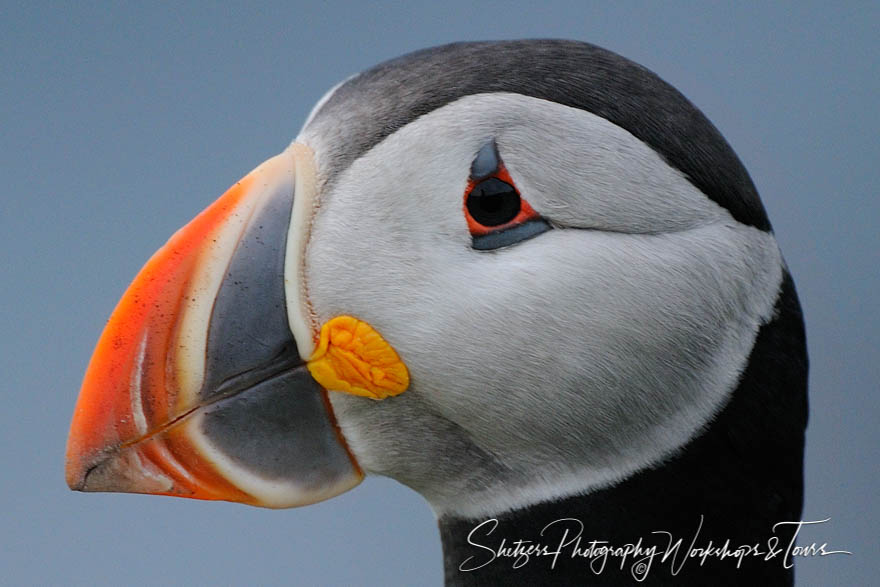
(493, 202)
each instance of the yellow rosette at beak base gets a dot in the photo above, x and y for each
(352, 357)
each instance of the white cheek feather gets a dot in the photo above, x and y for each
(558, 365)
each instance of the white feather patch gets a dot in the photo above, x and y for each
(560, 364)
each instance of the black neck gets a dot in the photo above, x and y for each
(735, 481)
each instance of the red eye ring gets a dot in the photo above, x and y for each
(526, 212)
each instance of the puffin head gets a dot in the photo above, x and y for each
(500, 273)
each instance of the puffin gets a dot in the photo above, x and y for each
(527, 279)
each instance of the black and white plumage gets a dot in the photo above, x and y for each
(640, 366)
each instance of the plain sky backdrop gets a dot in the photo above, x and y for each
(120, 122)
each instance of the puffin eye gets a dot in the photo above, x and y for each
(497, 215)
(493, 202)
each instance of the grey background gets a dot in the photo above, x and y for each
(120, 123)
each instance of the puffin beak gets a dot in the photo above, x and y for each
(197, 387)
